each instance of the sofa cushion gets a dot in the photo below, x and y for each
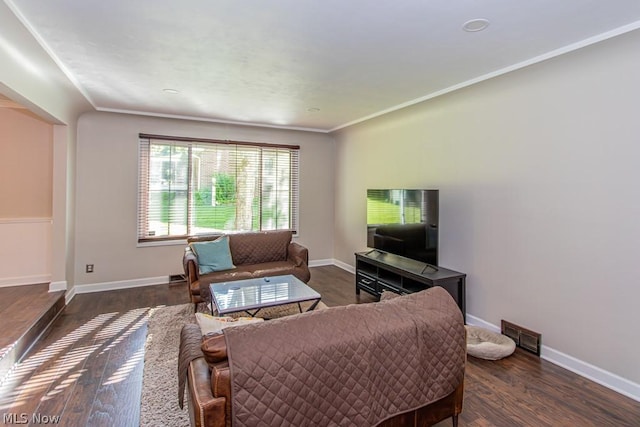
(213, 255)
(257, 248)
(277, 268)
(238, 273)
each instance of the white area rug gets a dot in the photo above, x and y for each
(159, 402)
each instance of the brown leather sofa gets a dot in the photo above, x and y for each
(210, 375)
(255, 254)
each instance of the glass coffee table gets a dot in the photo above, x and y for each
(252, 295)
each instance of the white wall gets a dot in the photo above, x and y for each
(26, 153)
(107, 188)
(26, 150)
(29, 76)
(25, 251)
(540, 195)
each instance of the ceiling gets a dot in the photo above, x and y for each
(303, 64)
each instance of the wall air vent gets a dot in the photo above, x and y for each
(524, 338)
(176, 278)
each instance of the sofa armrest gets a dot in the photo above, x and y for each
(298, 254)
(191, 272)
(190, 265)
(221, 384)
(214, 348)
(204, 408)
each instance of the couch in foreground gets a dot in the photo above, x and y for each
(255, 254)
(398, 362)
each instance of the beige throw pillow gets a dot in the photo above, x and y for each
(211, 324)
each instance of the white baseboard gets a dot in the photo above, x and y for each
(598, 375)
(24, 280)
(69, 295)
(337, 263)
(344, 266)
(320, 262)
(476, 321)
(58, 286)
(594, 373)
(122, 284)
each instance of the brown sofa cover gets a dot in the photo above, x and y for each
(394, 363)
(256, 254)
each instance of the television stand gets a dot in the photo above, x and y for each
(428, 268)
(378, 271)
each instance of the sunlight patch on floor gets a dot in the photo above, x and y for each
(123, 371)
(138, 316)
(37, 376)
(6, 349)
(119, 324)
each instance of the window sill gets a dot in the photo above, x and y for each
(181, 242)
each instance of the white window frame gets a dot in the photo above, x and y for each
(144, 238)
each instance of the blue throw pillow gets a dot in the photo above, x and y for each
(214, 255)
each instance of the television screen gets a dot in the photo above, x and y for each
(404, 222)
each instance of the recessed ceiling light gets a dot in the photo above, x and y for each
(313, 109)
(171, 91)
(475, 25)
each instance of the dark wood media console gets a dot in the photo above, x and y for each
(377, 271)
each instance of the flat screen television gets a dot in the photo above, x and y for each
(404, 222)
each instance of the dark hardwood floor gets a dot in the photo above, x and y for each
(23, 305)
(30, 308)
(87, 369)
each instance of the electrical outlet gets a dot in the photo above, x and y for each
(89, 268)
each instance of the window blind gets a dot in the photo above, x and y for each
(199, 186)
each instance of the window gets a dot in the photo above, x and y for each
(195, 186)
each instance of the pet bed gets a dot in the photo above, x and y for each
(485, 344)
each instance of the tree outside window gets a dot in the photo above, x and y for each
(195, 187)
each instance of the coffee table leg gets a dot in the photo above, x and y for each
(254, 313)
(315, 303)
